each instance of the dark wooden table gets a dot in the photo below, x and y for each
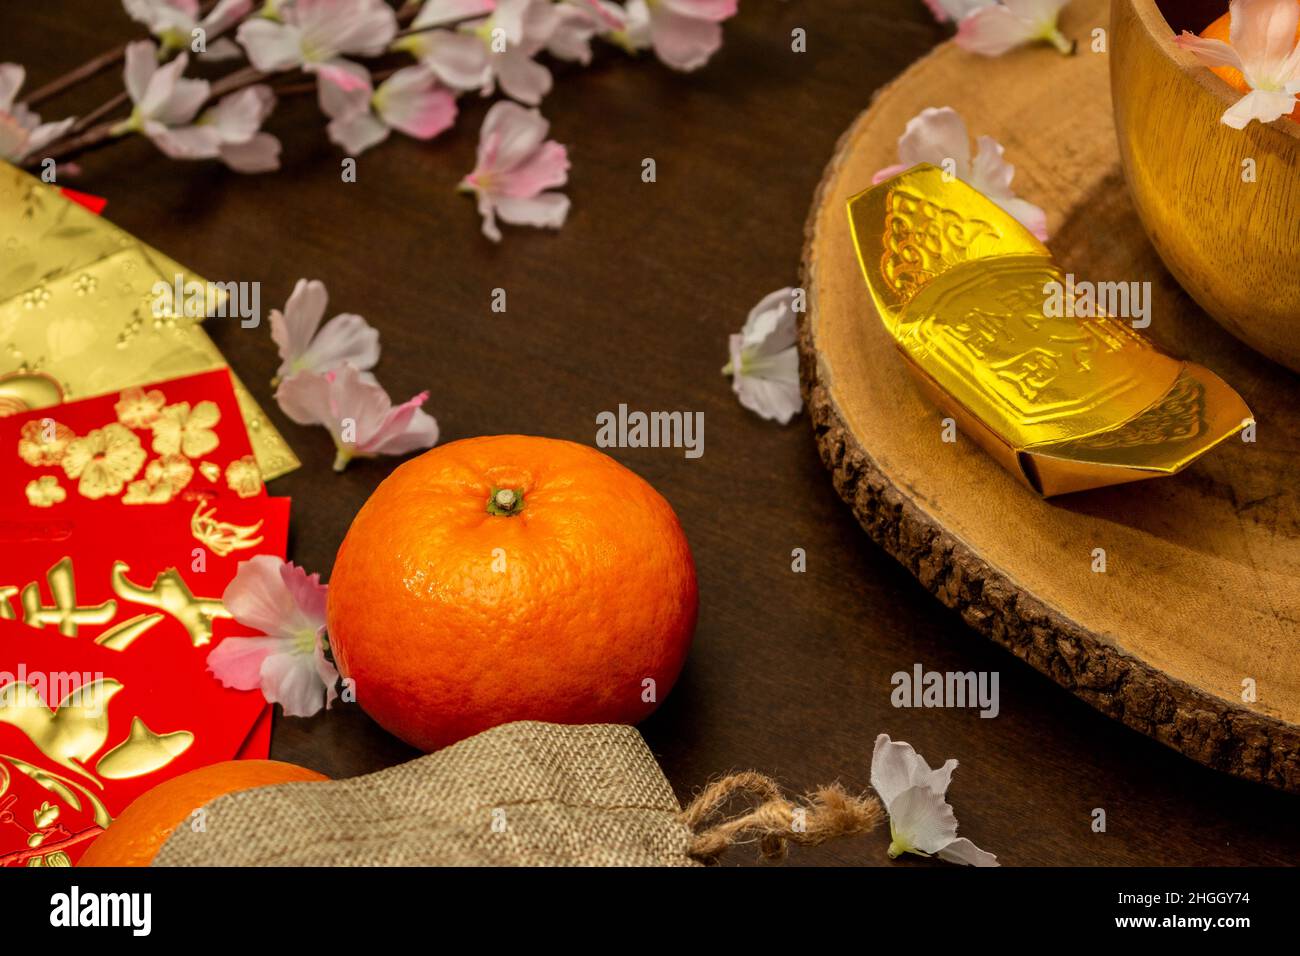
(632, 302)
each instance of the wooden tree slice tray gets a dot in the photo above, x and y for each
(1200, 599)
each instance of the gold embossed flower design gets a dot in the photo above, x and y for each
(45, 492)
(103, 460)
(163, 479)
(43, 441)
(137, 408)
(243, 477)
(180, 429)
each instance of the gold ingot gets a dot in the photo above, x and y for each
(1064, 403)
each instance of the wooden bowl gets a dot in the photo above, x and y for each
(1231, 244)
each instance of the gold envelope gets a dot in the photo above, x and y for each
(1065, 403)
(76, 313)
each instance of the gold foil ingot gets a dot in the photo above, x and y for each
(1064, 403)
(76, 313)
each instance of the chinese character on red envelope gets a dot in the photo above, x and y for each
(106, 621)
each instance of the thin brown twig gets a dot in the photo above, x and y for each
(83, 137)
(92, 67)
(99, 113)
(237, 80)
(292, 89)
(94, 138)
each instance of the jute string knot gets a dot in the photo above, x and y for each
(773, 821)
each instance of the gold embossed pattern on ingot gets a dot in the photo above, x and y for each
(77, 316)
(1065, 402)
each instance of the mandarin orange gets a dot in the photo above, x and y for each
(139, 831)
(1220, 30)
(511, 578)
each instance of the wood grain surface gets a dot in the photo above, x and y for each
(1202, 585)
(632, 302)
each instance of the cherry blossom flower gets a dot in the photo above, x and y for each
(410, 101)
(459, 59)
(938, 136)
(683, 33)
(577, 22)
(946, 11)
(764, 361)
(994, 28)
(495, 50)
(516, 165)
(166, 104)
(173, 23)
(237, 120)
(920, 819)
(314, 33)
(274, 9)
(306, 346)
(288, 663)
(21, 131)
(359, 414)
(1263, 47)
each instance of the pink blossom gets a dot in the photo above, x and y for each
(358, 413)
(577, 22)
(995, 28)
(21, 131)
(173, 23)
(165, 107)
(237, 119)
(459, 59)
(683, 33)
(921, 821)
(315, 33)
(496, 50)
(410, 101)
(306, 346)
(953, 10)
(764, 362)
(165, 104)
(1263, 48)
(288, 663)
(938, 136)
(516, 164)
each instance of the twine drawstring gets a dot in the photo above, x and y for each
(774, 821)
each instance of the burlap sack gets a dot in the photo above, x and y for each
(525, 794)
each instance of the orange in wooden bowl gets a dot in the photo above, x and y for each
(139, 832)
(511, 578)
(1221, 29)
(1220, 204)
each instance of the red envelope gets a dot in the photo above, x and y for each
(134, 596)
(139, 448)
(96, 728)
(135, 581)
(257, 746)
(95, 204)
(36, 827)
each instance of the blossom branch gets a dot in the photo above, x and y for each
(92, 67)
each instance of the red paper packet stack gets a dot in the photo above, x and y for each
(123, 518)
